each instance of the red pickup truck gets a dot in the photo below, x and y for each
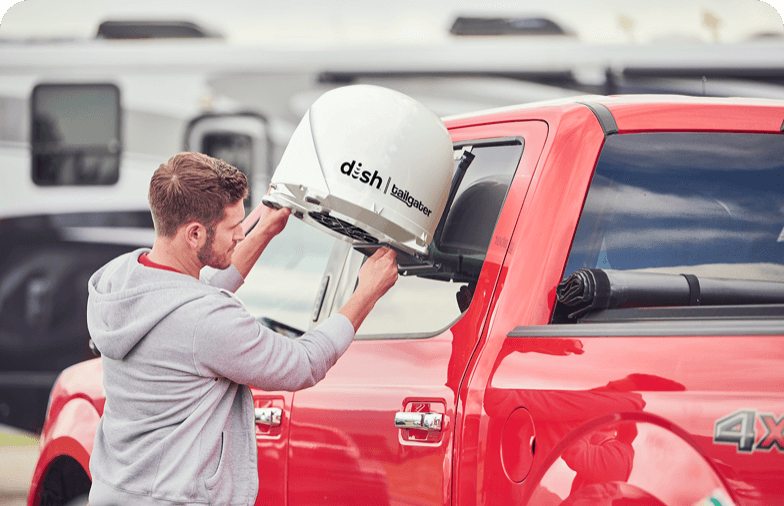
(601, 322)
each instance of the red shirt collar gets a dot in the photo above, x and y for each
(144, 260)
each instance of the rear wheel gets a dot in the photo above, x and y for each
(65, 484)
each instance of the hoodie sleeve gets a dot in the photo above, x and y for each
(227, 279)
(229, 342)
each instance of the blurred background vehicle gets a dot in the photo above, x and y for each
(94, 96)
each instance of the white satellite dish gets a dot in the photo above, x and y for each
(368, 165)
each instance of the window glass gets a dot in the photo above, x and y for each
(75, 135)
(469, 225)
(708, 204)
(284, 283)
(428, 301)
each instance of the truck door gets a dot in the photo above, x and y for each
(379, 428)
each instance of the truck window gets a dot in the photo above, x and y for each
(707, 204)
(426, 302)
(75, 134)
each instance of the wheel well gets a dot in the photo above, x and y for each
(64, 480)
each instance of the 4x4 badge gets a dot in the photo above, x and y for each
(739, 429)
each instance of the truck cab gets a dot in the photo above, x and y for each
(475, 380)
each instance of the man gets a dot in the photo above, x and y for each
(177, 351)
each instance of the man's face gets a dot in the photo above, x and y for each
(223, 237)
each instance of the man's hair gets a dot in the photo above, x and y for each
(193, 187)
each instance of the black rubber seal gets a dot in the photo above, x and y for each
(603, 289)
(604, 116)
(694, 289)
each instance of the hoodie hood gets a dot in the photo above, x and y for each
(127, 299)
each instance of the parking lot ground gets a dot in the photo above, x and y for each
(18, 455)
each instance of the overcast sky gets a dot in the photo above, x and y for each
(402, 21)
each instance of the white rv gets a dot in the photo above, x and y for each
(83, 124)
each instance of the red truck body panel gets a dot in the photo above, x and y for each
(674, 385)
(533, 412)
(380, 463)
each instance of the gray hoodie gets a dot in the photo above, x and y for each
(178, 425)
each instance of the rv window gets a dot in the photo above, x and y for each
(239, 139)
(75, 136)
(233, 148)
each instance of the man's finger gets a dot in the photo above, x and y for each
(386, 251)
(379, 253)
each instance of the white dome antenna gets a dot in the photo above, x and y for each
(367, 165)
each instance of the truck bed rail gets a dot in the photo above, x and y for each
(588, 290)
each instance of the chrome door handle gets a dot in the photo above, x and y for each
(430, 422)
(268, 416)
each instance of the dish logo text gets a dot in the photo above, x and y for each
(353, 169)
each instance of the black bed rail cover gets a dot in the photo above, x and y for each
(588, 290)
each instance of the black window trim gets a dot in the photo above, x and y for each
(494, 141)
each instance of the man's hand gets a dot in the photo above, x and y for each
(379, 273)
(376, 277)
(274, 221)
(271, 222)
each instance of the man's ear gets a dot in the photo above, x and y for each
(195, 234)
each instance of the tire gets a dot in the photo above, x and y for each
(78, 501)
